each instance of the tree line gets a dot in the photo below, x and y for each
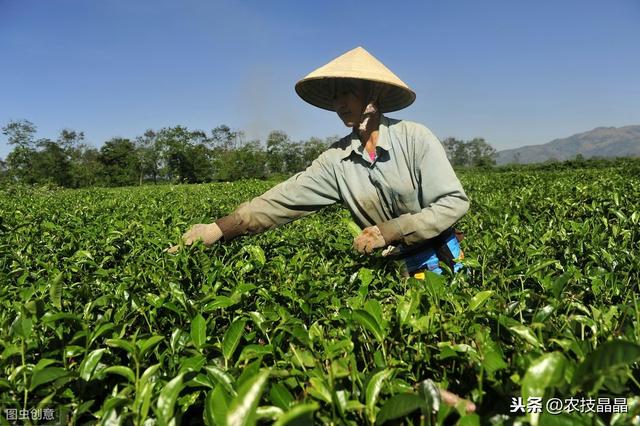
(474, 153)
(175, 154)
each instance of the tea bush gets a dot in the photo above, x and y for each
(295, 327)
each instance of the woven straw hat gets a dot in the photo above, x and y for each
(317, 89)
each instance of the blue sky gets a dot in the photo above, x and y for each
(513, 72)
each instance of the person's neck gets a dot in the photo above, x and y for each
(369, 136)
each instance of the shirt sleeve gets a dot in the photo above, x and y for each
(442, 197)
(298, 196)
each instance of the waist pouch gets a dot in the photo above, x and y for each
(444, 248)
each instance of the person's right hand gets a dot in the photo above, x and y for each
(208, 233)
(369, 239)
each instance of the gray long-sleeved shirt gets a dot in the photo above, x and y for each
(410, 191)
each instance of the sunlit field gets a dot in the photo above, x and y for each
(293, 326)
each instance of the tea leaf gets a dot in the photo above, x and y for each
(299, 415)
(232, 338)
(217, 406)
(168, 396)
(221, 377)
(243, 407)
(55, 291)
(479, 299)
(46, 375)
(608, 356)
(399, 406)
(280, 396)
(525, 333)
(123, 371)
(148, 344)
(89, 364)
(198, 330)
(373, 390)
(369, 323)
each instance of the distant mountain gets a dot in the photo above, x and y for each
(599, 142)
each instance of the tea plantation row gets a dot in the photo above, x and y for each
(294, 327)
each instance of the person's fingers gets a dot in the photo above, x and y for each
(369, 245)
(390, 251)
(363, 243)
(207, 233)
(368, 240)
(195, 233)
(191, 236)
(451, 399)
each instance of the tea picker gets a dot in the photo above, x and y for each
(392, 175)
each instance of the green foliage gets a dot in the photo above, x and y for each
(99, 322)
(20, 133)
(120, 163)
(475, 153)
(171, 154)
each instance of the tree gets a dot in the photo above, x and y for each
(70, 139)
(20, 162)
(461, 155)
(51, 164)
(54, 160)
(225, 138)
(86, 168)
(149, 156)
(21, 134)
(185, 155)
(449, 147)
(199, 158)
(293, 158)
(120, 164)
(4, 174)
(481, 153)
(277, 145)
(455, 151)
(311, 149)
(476, 152)
(249, 161)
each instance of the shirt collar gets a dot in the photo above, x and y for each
(383, 141)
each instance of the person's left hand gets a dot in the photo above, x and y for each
(369, 239)
(208, 233)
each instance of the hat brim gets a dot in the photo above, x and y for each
(318, 92)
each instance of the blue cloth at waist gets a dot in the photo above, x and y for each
(428, 259)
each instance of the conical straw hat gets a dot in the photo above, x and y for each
(316, 87)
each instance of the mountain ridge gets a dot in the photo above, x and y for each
(602, 141)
